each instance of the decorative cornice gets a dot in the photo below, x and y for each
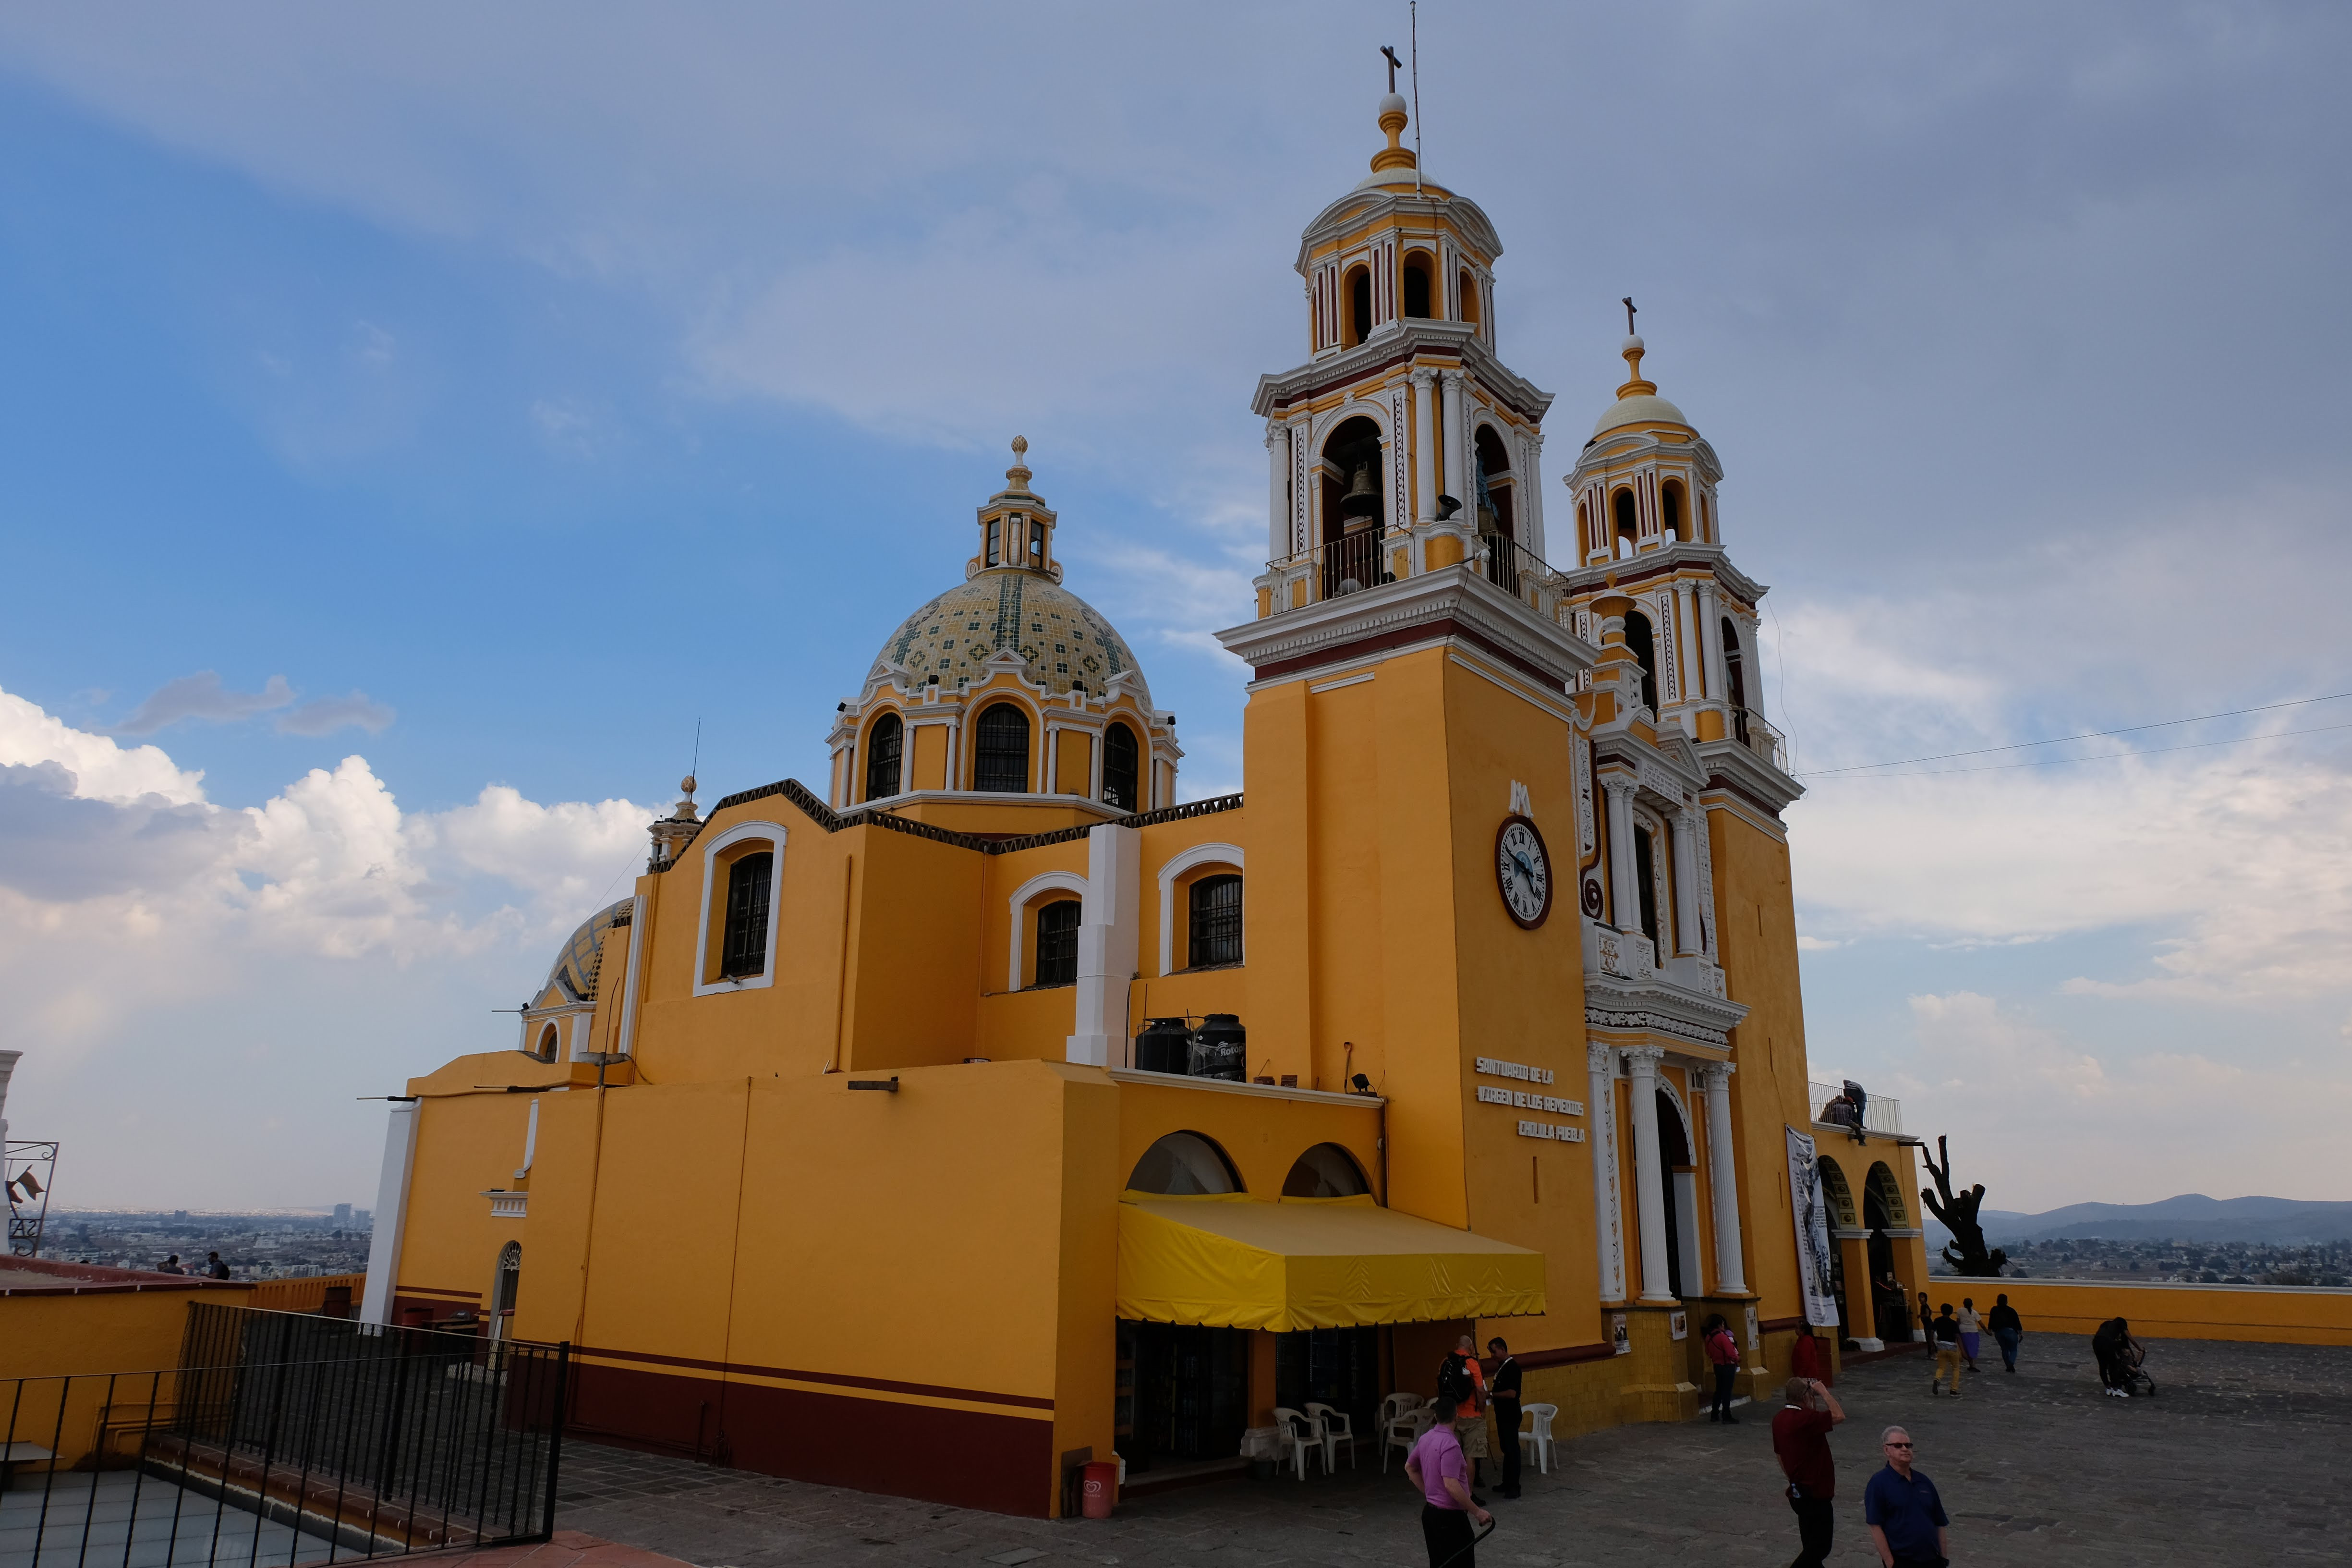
(1431, 201)
(1664, 560)
(1732, 765)
(1633, 445)
(1656, 1024)
(1450, 601)
(1399, 344)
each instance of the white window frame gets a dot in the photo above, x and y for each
(1184, 861)
(1017, 908)
(773, 833)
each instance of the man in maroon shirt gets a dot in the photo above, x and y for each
(1801, 1436)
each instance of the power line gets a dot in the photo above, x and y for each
(2092, 735)
(2111, 756)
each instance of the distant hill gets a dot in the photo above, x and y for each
(2191, 1216)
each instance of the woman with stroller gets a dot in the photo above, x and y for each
(2119, 1356)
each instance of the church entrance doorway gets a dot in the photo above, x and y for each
(1680, 1178)
(1183, 1394)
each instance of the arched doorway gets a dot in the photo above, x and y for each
(1882, 1209)
(1679, 1174)
(1841, 1221)
(503, 1291)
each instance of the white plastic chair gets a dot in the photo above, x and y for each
(1403, 1418)
(1338, 1427)
(1536, 1434)
(1301, 1434)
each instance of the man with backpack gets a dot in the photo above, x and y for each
(1461, 1379)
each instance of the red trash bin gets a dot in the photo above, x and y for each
(1100, 1487)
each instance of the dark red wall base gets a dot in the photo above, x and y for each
(1003, 1464)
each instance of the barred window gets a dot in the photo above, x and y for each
(743, 949)
(885, 743)
(1001, 761)
(1118, 767)
(1058, 942)
(1216, 920)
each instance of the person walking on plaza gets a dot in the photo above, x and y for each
(1800, 1440)
(1806, 1360)
(1903, 1510)
(1502, 1393)
(1944, 1335)
(1723, 1354)
(2008, 1331)
(1970, 1324)
(1447, 1508)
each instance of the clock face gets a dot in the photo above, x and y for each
(1523, 871)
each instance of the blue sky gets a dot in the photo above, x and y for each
(517, 389)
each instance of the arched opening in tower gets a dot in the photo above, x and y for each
(1352, 513)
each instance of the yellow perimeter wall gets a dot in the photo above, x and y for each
(2273, 1314)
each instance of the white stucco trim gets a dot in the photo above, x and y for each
(1017, 906)
(391, 1216)
(1184, 861)
(772, 833)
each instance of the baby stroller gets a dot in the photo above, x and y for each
(2122, 1371)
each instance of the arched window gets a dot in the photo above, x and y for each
(1670, 509)
(992, 528)
(546, 1051)
(1326, 1171)
(884, 745)
(1216, 922)
(1645, 645)
(1416, 284)
(1184, 1165)
(1469, 285)
(1494, 483)
(1359, 305)
(1120, 769)
(1058, 942)
(1001, 761)
(1735, 676)
(743, 945)
(1676, 1176)
(1628, 526)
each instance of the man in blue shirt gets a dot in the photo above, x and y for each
(1900, 1505)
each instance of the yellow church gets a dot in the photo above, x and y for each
(987, 1107)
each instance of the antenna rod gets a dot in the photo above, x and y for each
(696, 769)
(1413, 52)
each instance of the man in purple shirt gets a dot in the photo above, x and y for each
(1437, 1468)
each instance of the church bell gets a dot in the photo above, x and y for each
(1363, 497)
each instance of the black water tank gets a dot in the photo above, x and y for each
(1164, 1046)
(1220, 1049)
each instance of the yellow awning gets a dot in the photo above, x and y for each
(1238, 1262)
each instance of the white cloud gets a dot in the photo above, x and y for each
(2035, 1116)
(325, 715)
(202, 696)
(172, 961)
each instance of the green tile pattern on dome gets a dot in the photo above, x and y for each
(577, 964)
(1059, 635)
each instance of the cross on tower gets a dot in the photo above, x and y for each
(1629, 315)
(1389, 50)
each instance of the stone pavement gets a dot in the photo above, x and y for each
(2242, 1457)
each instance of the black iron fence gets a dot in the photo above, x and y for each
(284, 1439)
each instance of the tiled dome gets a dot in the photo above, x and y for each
(1066, 642)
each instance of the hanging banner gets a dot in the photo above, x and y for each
(1816, 1268)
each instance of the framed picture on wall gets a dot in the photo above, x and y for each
(1678, 1325)
(1617, 1340)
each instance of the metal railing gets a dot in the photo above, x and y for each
(1750, 731)
(1514, 569)
(283, 1438)
(1879, 1114)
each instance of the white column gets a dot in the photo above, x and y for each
(1693, 656)
(1107, 943)
(1688, 936)
(1278, 491)
(1649, 1185)
(1457, 475)
(1531, 527)
(1424, 445)
(391, 1213)
(1710, 644)
(1723, 1181)
(1624, 892)
(1607, 1206)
